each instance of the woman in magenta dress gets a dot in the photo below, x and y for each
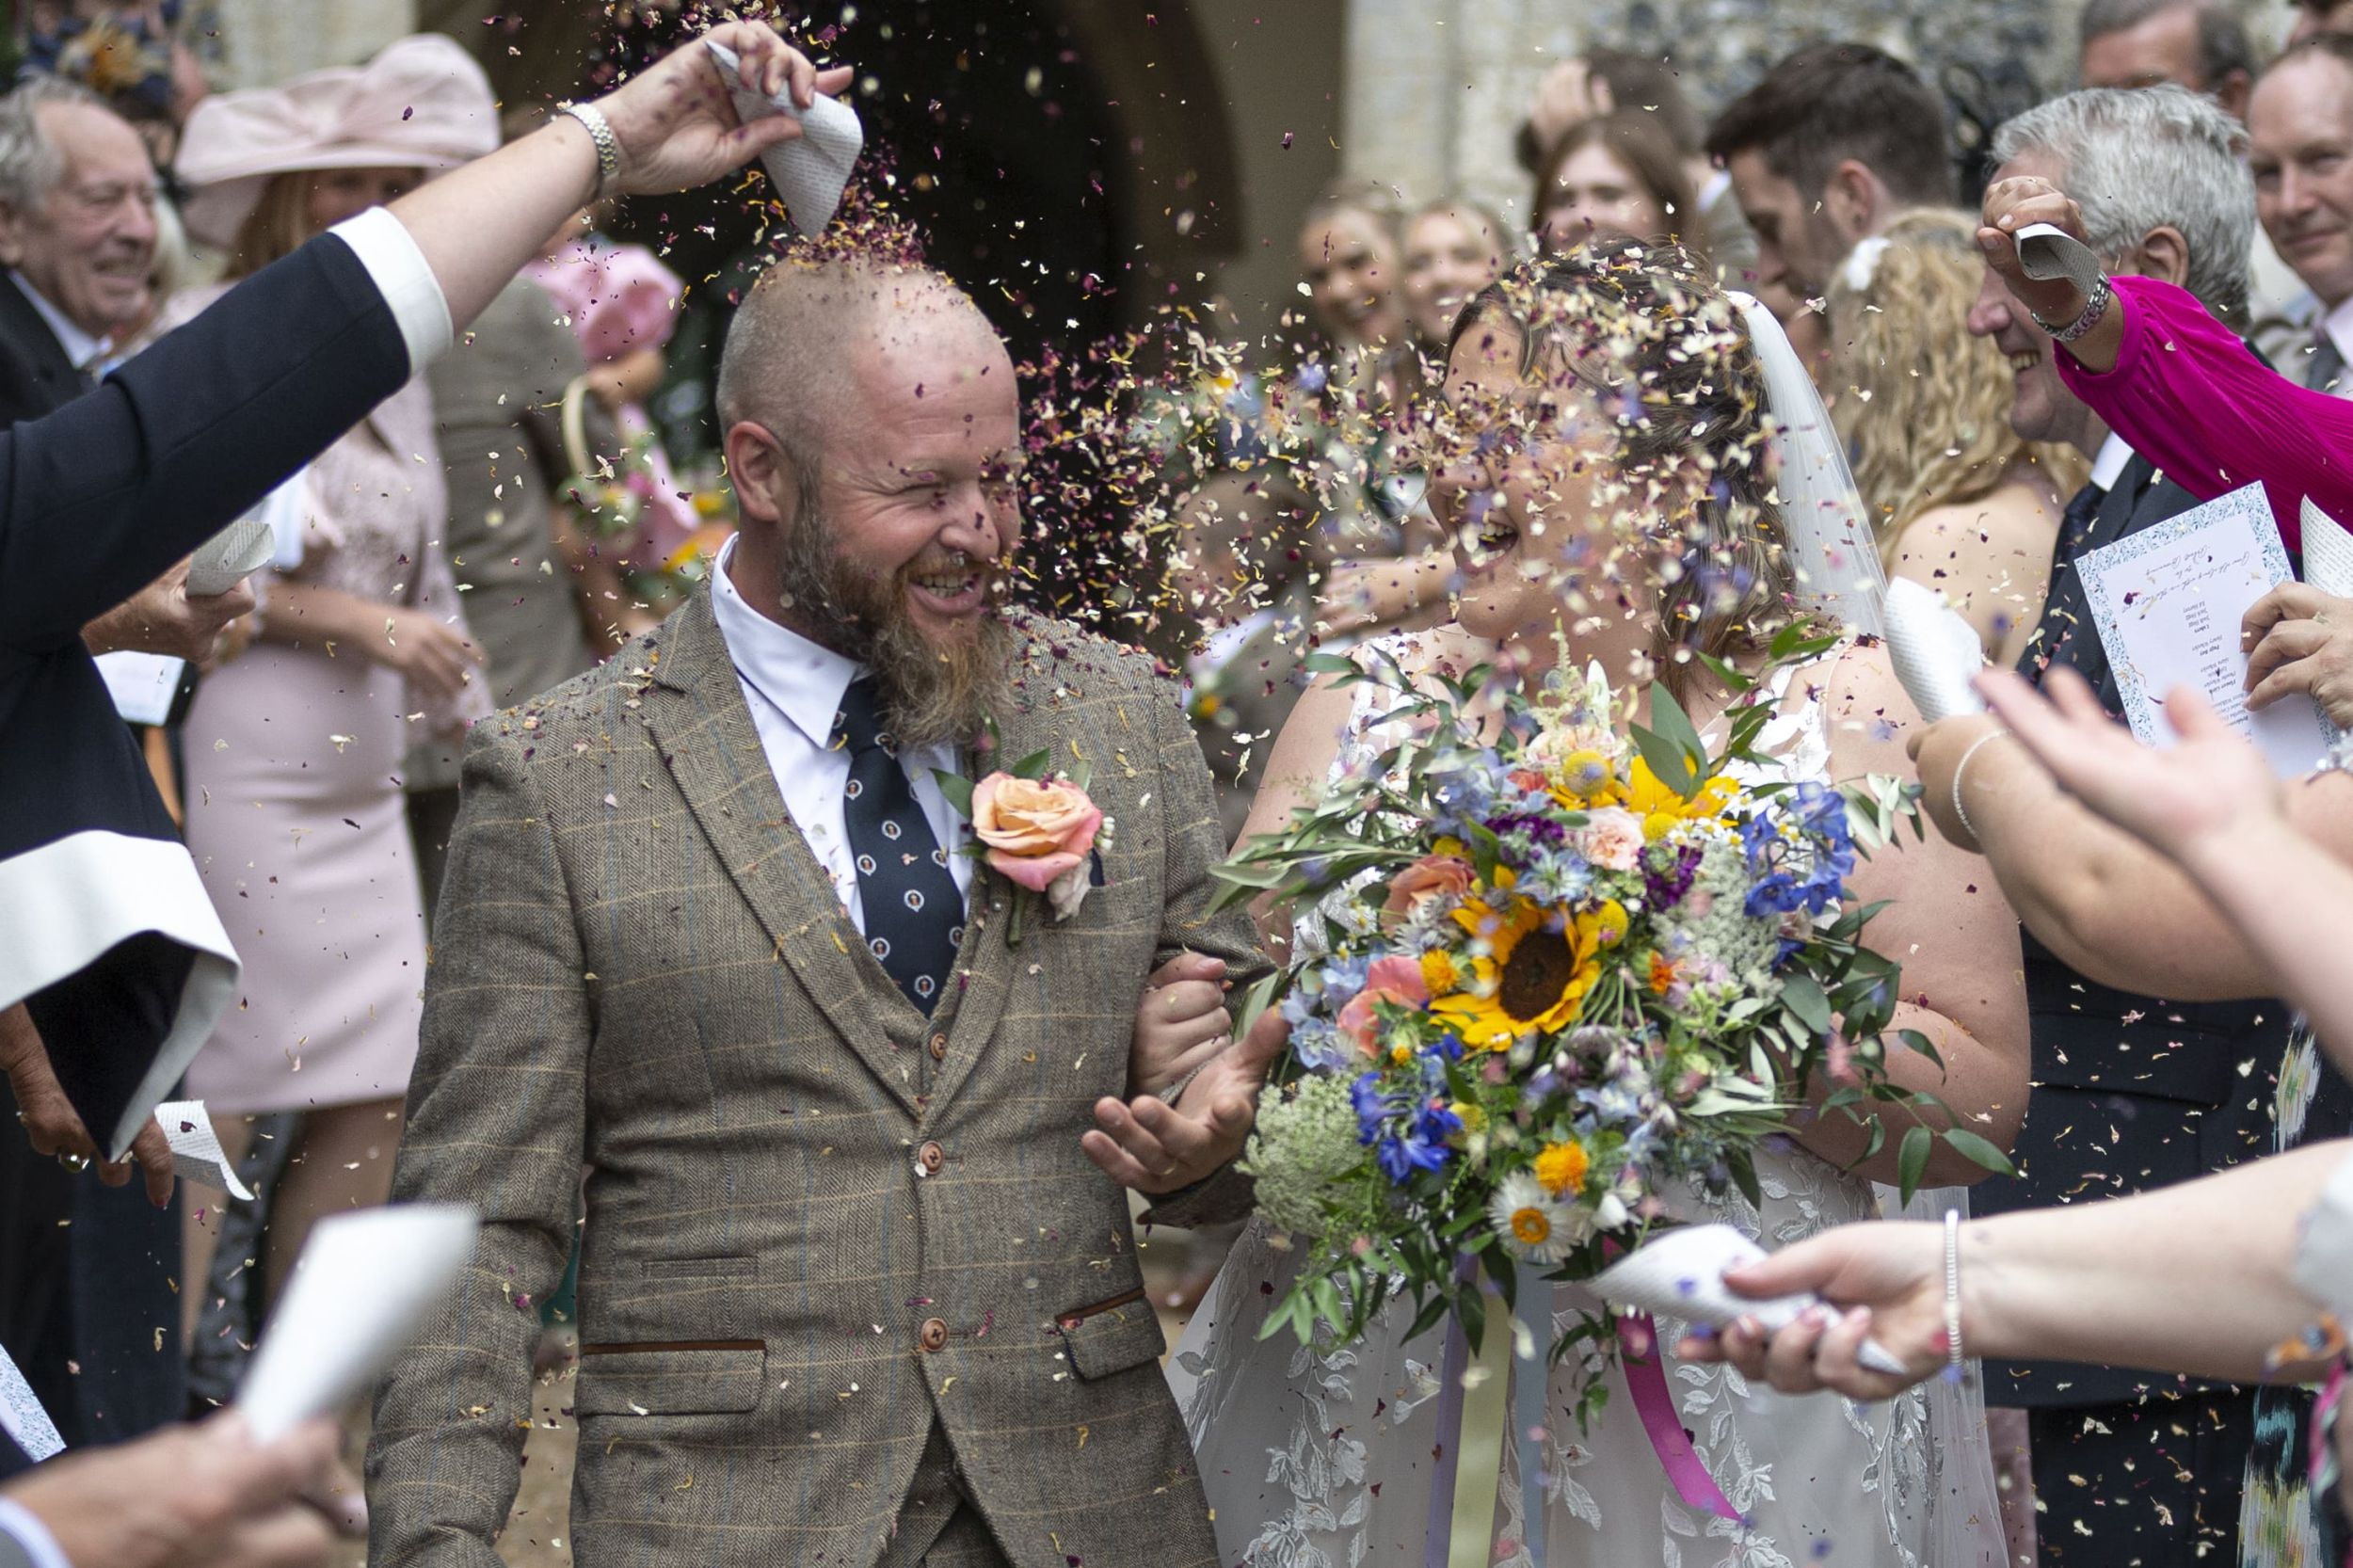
(294, 749)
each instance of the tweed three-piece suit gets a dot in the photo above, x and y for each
(835, 1250)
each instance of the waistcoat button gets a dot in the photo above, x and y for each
(933, 1336)
(931, 1156)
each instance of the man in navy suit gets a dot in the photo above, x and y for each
(105, 932)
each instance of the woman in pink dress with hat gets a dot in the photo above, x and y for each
(294, 749)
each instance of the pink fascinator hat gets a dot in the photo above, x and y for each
(422, 103)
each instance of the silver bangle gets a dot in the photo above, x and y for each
(1960, 811)
(2095, 306)
(1954, 1368)
(608, 146)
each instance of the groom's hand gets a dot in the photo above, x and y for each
(1157, 1148)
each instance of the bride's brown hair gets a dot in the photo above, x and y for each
(1646, 328)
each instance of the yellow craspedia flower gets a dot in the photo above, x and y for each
(1610, 923)
(1473, 1119)
(1447, 846)
(1562, 1167)
(1439, 973)
(1399, 1055)
(1584, 771)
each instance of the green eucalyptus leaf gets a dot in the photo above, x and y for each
(1911, 1160)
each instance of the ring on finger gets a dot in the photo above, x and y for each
(75, 1162)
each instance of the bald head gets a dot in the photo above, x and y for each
(810, 335)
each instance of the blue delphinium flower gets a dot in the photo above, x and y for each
(1812, 880)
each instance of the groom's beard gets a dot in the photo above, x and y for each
(935, 691)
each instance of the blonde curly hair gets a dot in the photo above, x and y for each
(1922, 405)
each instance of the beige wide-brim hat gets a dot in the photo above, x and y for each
(422, 103)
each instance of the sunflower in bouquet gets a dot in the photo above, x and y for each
(1561, 972)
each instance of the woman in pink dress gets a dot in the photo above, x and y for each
(294, 749)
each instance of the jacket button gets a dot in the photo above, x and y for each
(933, 1336)
(931, 1156)
(940, 1047)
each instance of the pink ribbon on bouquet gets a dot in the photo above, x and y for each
(1646, 1379)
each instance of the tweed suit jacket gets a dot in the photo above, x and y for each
(818, 1223)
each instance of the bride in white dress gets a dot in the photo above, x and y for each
(1602, 463)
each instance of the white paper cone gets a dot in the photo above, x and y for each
(811, 170)
(1934, 652)
(363, 1285)
(1681, 1275)
(246, 545)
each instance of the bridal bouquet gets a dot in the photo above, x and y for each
(1562, 976)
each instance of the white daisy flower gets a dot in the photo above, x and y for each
(1535, 1226)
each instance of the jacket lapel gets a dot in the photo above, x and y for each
(986, 967)
(696, 712)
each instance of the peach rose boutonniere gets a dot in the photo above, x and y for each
(1039, 831)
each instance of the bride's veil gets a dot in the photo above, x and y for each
(1834, 558)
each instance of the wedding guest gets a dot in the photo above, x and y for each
(537, 598)
(2199, 44)
(295, 813)
(2108, 909)
(2299, 131)
(1348, 259)
(2184, 389)
(104, 928)
(2118, 1106)
(1962, 504)
(1454, 247)
(869, 1026)
(2316, 17)
(196, 1497)
(2299, 639)
(2210, 806)
(1836, 142)
(623, 305)
(86, 1268)
(1603, 82)
(1615, 176)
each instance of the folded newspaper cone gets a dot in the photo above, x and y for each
(811, 170)
(195, 1152)
(364, 1283)
(2327, 552)
(242, 548)
(1935, 652)
(2046, 251)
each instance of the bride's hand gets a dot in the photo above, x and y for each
(1157, 1148)
(1883, 1282)
(1181, 1022)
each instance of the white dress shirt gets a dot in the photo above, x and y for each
(2114, 454)
(795, 688)
(400, 274)
(82, 349)
(2337, 324)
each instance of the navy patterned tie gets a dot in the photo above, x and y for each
(914, 915)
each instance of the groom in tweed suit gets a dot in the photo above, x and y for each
(855, 1285)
